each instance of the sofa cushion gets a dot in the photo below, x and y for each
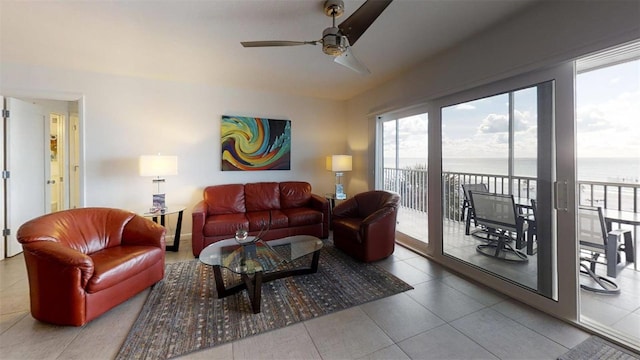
(225, 199)
(303, 216)
(259, 219)
(294, 194)
(117, 264)
(262, 196)
(224, 224)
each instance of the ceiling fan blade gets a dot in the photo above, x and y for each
(356, 24)
(347, 59)
(276, 43)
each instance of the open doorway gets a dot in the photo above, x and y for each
(41, 162)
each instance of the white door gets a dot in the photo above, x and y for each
(27, 134)
(2, 241)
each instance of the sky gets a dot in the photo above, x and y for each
(480, 128)
(607, 124)
(608, 116)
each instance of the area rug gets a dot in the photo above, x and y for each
(182, 313)
(598, 348)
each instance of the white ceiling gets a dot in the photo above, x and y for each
(199, 41)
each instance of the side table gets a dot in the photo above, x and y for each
(332, 203)
(172, 209)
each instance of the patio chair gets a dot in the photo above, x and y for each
(532, 231)
(497, 213)
(466, 204)
(596, 242)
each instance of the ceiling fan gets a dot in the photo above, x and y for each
(337, 41)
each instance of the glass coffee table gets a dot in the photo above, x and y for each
(259, 262)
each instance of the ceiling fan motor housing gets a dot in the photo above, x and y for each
(334, 8)
(333, 42)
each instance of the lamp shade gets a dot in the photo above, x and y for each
(339, 163)
(158, 165)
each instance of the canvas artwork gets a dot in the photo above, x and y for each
(250, 143)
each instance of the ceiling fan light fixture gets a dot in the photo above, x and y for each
(333, 42)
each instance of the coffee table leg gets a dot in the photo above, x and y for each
(254, 290)
(314, 261)
(257, 292)
(222, 292)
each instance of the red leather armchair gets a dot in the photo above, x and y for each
(83, 262)
(364, 226)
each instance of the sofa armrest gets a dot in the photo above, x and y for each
(321, 204)
(382, 221)
(198, 216)
(57, 264)
(142, 231)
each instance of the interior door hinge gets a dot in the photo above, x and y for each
(5, 113)
(6, 174)
(6, 232)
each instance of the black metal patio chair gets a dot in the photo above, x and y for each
(599, 246)
(498, 215)
(467, 213)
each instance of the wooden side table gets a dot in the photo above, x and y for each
(172, 209)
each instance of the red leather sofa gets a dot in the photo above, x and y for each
(225, 208)
(364, 226)
(83, 262)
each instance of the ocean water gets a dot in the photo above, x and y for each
(618, 170)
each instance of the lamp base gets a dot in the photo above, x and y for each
(340, 195)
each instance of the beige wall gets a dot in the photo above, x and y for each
(547, 34)
(127, 117)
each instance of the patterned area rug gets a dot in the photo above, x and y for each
(596, 348)
(183, 314)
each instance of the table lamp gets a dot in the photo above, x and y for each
(339, 164)
(158, 166)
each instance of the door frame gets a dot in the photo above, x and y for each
(566, 306)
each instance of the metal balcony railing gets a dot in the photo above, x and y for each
(410, 184)
(453, 197)
(618, 196)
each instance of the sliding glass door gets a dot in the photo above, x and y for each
(496, 196)
(608, 164)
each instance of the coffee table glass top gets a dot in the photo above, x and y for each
(261, 256)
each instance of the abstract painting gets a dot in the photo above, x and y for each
(250, 143)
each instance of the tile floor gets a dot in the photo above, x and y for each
(619, 312)
(444, 317)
